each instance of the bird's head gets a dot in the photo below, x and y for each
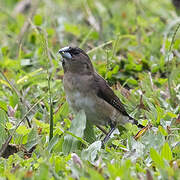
(75, 60)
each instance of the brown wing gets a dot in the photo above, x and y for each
(106, 93)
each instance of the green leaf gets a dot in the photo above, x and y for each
(160, 113)
(109, 74)
(53, 142)
(29, 76)
(63, 112)
(22, 130)
(9, 125)
(94, 174)
(13, 100)
(43, 172)
(161, 81)
(115, 69)
(166, 152)
(3, 121)
(78, 125)
(172, 115)
(162, 130)
(154, 68)
(132, 81)
(38, 20)
(5, 50)
(91, 152)
(3, 105)
(78, 138)
(156, 158)
(73, 29)
(89, 134)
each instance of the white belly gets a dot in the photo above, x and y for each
(78, 101)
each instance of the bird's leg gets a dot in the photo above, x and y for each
(113, 127)
(102, 129)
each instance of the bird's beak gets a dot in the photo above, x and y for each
(64, 53)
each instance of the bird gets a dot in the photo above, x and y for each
(86, 89)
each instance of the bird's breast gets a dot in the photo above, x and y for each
(78, 100)
(77, 93)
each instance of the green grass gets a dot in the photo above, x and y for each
(133, 45)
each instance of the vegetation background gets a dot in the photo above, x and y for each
(133, 44)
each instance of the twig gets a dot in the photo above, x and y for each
(100, 46)
(4, 146)
(44, 41)
(168, 63)
(91, 19)
(51, 109)
(47, 52)
(119, 37)
(26, 25)
(22, 7)
(86, 38)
